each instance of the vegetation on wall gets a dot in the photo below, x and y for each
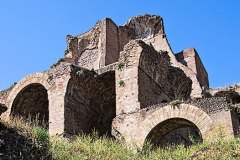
(175, 103)
(121, 83)
(120, 65)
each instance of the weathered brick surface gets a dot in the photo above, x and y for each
(205, 115)
(130, 74)
(152, 32)
(4, 94)
(148, 78)
(191, 59)
(101, 46)
(143, 76)
(134, 128)
(90, 102)
(224, 119)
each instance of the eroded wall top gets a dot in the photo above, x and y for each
(101, 46)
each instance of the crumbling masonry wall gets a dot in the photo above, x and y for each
(69, 99)
(146, 77)
(90, 102)
(126, 81)
(191, 59)
(206, 115)
(102, 45)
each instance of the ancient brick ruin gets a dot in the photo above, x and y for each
(126, 81)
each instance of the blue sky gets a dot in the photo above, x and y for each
(33, 33)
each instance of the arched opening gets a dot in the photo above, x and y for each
(31, 103)
(90, 103)
(174, 132)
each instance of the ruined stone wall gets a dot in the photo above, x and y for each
(150, 29)
(210, 105)
(180, 86)
(143, 66)
(4, 94)
(191, 59)
(223, 119)
(127, 90)
(112, 43)
(98, 47)
(85, 50)
(90, 102)
(30, 96)
(150, 92)
(76, 105)
(123, 37)
(105, 69)
(134, 128)
(231, 93)
(218, 109)
(124, 72)
(153, 73)
(155, 65)
(149, 79)
(213, 112)
(101, 46)
(144, 27)
(202, 74)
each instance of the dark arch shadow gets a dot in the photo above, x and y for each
(90, 103)
(31, 103)
(174, 132)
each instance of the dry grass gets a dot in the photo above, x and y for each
(94, 147)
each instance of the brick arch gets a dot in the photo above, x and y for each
(36, 78)
(185, 111)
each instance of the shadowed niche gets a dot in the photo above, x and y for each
(174, 132)
(32, 104)
(90, 103)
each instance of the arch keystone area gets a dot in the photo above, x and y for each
(184, 111)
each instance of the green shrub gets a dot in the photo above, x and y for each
(60, 60)
(221, 133)
(40, 134)
(80, 72)
(120, 65)
(175, 103)
(121, 83)
(232, 106)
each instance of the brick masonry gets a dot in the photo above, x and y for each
(122, 81)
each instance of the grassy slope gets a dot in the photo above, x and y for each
(35, 144)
